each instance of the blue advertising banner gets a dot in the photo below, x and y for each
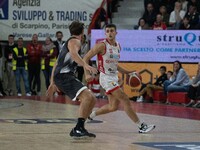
(155, 46)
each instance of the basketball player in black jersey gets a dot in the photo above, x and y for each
(63, 78)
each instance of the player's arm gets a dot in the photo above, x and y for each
(97, 49)
(74, 46)
(122, 70)
(52, 87)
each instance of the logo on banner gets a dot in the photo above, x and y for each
(4, 10)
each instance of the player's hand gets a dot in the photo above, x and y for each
(88, 78)
(51, 90)
(90, 69)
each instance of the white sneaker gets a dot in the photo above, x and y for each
(91, 117)
(140, 99)
(28, 94)
(146, 128)
(19, 94)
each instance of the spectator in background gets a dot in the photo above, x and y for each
(59, 42)
(20, 67)
(194, 90)
(141, 25)
(1, 85)
(159, 24)
(34, 51)
(165, 15)
(181, 81)
(156, 4)
(193, 16)
(49, 54)
(185, 25)
(194, 3)
(169, 4)
(84, 50)
(184, 5)
(158, 85)
(8, 65)
(149, 15)
(176, 16)
(170, 75)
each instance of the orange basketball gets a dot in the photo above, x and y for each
(135, 79)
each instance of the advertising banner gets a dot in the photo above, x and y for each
(155, 46)
(23, 18)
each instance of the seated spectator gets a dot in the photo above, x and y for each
(156, 4)
(149, 15)
(194, 90)
(170, 75)
(185, 25)
(48, 59)
(169, 4)
(184, 4)
(158, 85)
(176, 16)
(193, 16)
(159, 24)
(181, 80)
(194, 3)
(165, 15)
(20, 67)
(141, 25)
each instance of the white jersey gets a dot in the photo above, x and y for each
(108, 62)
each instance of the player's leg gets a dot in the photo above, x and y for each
(77, 91)
(110, 107)
(122, 97)
(87, 103)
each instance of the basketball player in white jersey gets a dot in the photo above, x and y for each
(108, 54)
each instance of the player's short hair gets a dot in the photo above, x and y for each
(111, 26)
(76, 28)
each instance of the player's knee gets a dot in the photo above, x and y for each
(91, 97)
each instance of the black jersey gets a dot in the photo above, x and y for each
(65, 64)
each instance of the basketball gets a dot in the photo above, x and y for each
(135, 79)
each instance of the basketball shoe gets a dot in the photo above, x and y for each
(81, 133)
(146, 128)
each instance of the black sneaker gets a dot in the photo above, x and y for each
(146, 128)
(81, 133)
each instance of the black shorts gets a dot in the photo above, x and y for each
(69, 84)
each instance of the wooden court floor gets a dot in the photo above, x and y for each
(38, 123)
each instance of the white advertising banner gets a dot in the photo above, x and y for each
(23, 18)
(156, 46)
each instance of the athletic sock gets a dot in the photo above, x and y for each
(139, 123)
(93, 114)
(80, 123)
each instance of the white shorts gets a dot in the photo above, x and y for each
(109, 82)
